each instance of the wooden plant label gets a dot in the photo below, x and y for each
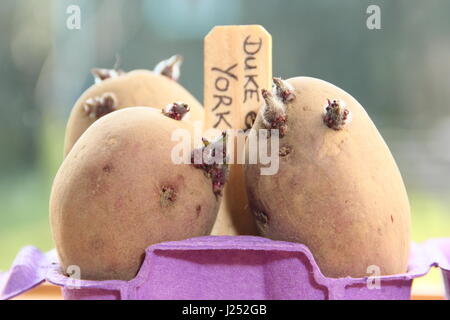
(238, 64)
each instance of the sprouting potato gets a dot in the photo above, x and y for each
(115, 89)
(338, 189)
(118, 192)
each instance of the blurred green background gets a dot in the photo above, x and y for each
(401, 74)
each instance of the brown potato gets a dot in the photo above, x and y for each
(134, 88)
(338, 189)
(234, 217)
(118, 191)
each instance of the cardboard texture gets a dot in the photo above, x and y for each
(28, 270)
(226, 267)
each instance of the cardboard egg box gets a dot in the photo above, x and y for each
(230, 268)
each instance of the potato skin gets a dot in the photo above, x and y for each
(338, 192)
(107, 203)
(135, 88)
(234, 217)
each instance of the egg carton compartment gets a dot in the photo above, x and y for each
(227, 267)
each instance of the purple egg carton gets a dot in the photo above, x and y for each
(225, 267)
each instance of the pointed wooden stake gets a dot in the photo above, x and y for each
(238, 64)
